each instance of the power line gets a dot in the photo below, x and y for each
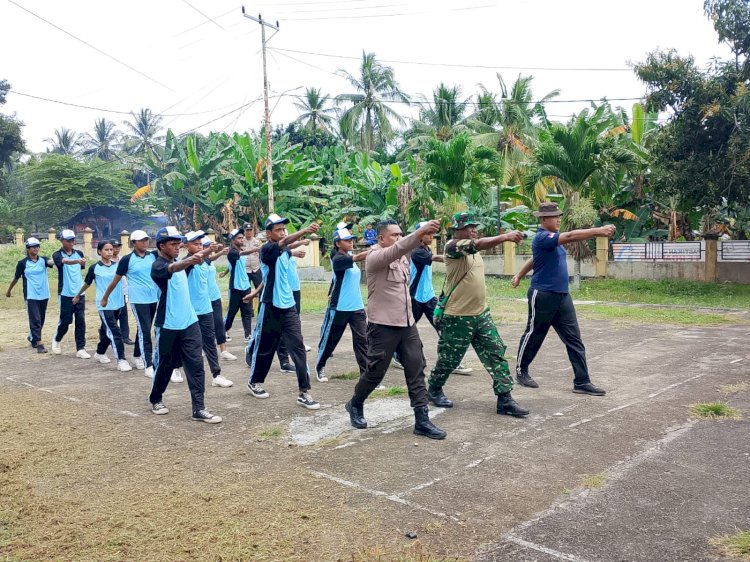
(468, 8)
(205, 22)
(453, 65)
(204, 15)
(97, 49)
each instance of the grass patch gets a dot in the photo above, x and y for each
(654, 315)
(350, 376)
(737, 545)
(593, 481)
(734, 388)
(389, 392)
(714, 410)
(270, 433)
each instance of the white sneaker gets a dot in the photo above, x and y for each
(83, 354)
(307, 401)
(102, 358)
(228, 356)
(320, 374)
(123, 365)
(461, 370)
(221, 381)
(139, 363)
(149, 372)
(176, 376)
(307, 347)
(56, 349)
(397, 365)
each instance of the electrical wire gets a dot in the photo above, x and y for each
(204, 15)
(395, 14)
(97, 49)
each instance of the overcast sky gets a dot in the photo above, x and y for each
(198, 61)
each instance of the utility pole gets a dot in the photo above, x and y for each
(269, 171)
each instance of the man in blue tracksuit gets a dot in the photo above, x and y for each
(178, 335)
(33, 271)
(550, 304)
(70, 262)
(143, 295)
(345, 306)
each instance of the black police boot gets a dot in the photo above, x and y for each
(588, 388)
(506, 405)
(423, 425)
(524, 379)
(438, 398)
(356, 414)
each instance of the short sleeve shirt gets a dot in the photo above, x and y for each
(174, 310)
(69, 276)
(34, 276)
(198, 284)
(346, 294)
(141, 288)
(214, 293)
(464, 270)
(102, 276)
(550, 263)
(420, 267)
(274, 263)
(238, 279)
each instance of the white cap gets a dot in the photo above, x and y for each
(67, 234)
(32, 242)
(346, 225)
(194, 235)
(342, 234)
(138, 235)
(206, 241)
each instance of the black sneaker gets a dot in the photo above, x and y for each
(588, 388)
(159, 408)
(128, 341)
(206, 416)
(288, 368)
(257, 390)
(306, 401)
(320, 374)
(40, 348)
(524, 379)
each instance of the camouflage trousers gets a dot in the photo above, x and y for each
(480, 332)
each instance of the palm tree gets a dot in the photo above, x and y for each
(441, 119)
(103, 142)
(315, 115)
(368, 121)
(144, 137)
(66, 142)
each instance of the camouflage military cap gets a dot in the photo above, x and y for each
(464, 219)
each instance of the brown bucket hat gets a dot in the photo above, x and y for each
(548, 210)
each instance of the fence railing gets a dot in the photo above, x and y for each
(734, 250)
(658, 251)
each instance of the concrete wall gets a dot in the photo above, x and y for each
(733, 272)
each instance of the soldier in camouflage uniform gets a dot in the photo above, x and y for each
(467, 319)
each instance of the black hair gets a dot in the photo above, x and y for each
(383, 225)
(101, 244)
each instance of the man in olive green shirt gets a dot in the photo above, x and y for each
(467, 319)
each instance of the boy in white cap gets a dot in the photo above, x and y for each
(69, 263)
(277, 315)
(33, 270)
(178, 335)
(239, 283)
(197, 275)
(143, 294)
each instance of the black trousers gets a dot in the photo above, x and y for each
(208, 337)
(283, 353)
(37, 311)
(144, 318)
(175, 348)
(124, 322)
(68, 311)
(419, 309)
(219, 331)
(555, 310)
(109, 334)
(245, 309)
(256, 277)
(382, 342)
(334, 325)
(275, 325)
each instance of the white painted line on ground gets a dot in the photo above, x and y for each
(675, 385)
(10, 379)
(419, 487)
(129, 413)
(381, 494)
(576, 424)
(539, 548)
(72, 398)
(737, 360)
(27, 384)
(475, 463)
(617, 408)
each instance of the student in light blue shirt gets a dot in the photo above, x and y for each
(70, 263)
(102, 273)
(345, 306)
(239, 283)
(216, 306)
(33, 271)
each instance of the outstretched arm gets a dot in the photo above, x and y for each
(292, 238)
(492, 241)
(586, 234)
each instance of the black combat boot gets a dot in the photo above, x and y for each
(356, 414)
(423, 425)
(506, 405)
(438, 398)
